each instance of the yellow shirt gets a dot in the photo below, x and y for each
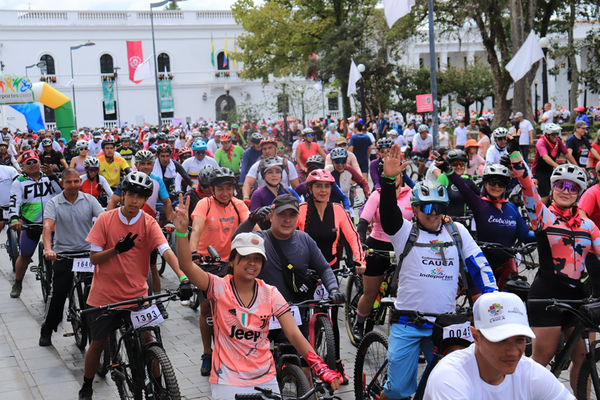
(112, 172)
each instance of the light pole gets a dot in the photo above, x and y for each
(544, 43)
(88, 43)
(116, 73)
(361, 68)
(40, 64)
(227, 90)
(535, 85)
(301, 90)
(284, 106)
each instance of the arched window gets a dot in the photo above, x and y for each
(164, 63)
(106, 64)
(221, 61)
(49, 60)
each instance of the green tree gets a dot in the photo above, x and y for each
(172, 6)
(410, 82)
(471, 83)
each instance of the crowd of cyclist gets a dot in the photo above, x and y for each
(275, 212)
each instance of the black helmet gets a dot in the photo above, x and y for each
(204, 174)
(456, 155)
(220, 176)
(164, 148)
(107, 142)
(270, 163)
(138, 182)
(256, 137)
(315, 162)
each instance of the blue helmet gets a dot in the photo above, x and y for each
(199, 145)
(429, 192)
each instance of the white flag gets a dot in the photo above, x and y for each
(319, 86)
(396, 9)
(145, 70)
(70, 83)
(354, 77)
(528, 54)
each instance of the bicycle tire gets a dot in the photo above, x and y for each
(104, 364)
(166, 387)
(44, 273)
(325, 340)
(14, 248)
(121, 372)
(354, 290)
(292, 382)
(195, 301)
(584, 378)
(80, 328)
(162, 265)
(370, 357)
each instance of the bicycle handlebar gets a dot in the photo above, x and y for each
(72, 256)
(139, 302)
(317, 302)
(567, 305)
(526, 248)
(267, 393)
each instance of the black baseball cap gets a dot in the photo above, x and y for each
(285, 202)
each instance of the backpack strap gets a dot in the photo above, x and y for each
(410, 243)
(457, 239)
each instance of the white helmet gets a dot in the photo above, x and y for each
(569, 172)
(423, 128)
(500, 133)
(552, 128)
(81, 144)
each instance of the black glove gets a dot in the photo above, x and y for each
(125, 244)
(185, 290)
(196, 257)
(336, 296)
(513, 145)
(445, 166)
(259, 215)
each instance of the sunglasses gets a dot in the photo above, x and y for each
(310, 136)
(226, 142)
(92, 169)
(501, 139)
(497, 182)
(458, 164)
(342, 145)
(281, 148)
(553, 134)
(83, 149)
(340, 161)
(571, 187)
(430, 208)
(200, 152)
(31, 162)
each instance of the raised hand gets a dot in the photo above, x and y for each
(181, 220)
(391, 165)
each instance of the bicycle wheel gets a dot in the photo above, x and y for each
(195, 301)
(104, 362)
(292, 382)
(585, 387)
(354, 290)
(325, 340)
(528, 265)
(76, 304)
(13, 250)
(370, 368)
(163, 382)
(121, 372)
(44, 273)
(161, 264)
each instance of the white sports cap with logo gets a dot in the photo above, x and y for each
(249, 243)
(501, 315)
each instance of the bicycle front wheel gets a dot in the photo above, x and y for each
(76, 304)
(585, 387)
(121, 372)
(292, 382)
(354, 291)
(325, 340)
(163, 382)
(370, 368)
(45, 273)
(13, 250)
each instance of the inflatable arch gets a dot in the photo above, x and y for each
(18, 92)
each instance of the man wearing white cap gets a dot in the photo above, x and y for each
(494, 367)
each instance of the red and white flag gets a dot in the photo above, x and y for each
(135, 57)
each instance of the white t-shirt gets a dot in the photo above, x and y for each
(456, 377)
(525, 126)
(285, 178)
(444, 139)
(409, 134)
(331, 138)
(550, 115)
(493, 155)
(213, 146)
(370, 135)
(421, 145)
(461, 136)
(7, 174)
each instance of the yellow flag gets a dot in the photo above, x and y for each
(235, 51)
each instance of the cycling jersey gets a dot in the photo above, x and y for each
(344, 179)
(28, 197)
(7, 175)
(53, 158)
(113, 171)
(422, 146)
(303, 152)
(71, 150)
(126, 154)
(370, 213)
(96, 186)
(493, 155)
(288, 174)
(231, 160)
(249, 158)
(159, 192)
(170, 173)
(94, 147)
(457, 206)
(193, 166)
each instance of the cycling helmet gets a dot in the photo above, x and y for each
(196, 134)
(320, 175)
(107, 142)
(235, 126)
(226, 137)
(496, 171)
(138, 182)
(569, 172)
(185, 151)
(144, 155)
(456, 155)
(315, 161)
(332, 126)
(81, 144)
(270, 163)
(429, 192)
(307, 131)
(164, 148)
(73, 132)
(171, 138)
(25, 148)
(268, 141)
(91, 162)
(552, 128)
(423, 128)
(499, 133)
(162, 136)
(256, 137)
(204, 174)
(338, 153)
(385, 143)
(221, 176)
(199, 145)
(46, 142)
(125, 138)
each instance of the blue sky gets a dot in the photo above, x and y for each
(96, 5)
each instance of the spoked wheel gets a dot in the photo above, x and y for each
(585, 387)
(13, 250)
(528, 265)
(354, 290)
(292, 382)
(370, 368)
(121, 372)
(76, 305)
(163, 382)
(325, 340)
(44, 273)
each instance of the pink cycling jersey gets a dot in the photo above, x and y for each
(371, 212)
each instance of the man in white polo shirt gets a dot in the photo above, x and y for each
(494, 368)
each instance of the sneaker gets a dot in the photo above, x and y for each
(206, 364)
(16, 290)
(358, 331)
(339, 366)
(185, 303)
(162, 310)
(45, 336)
(86, 393)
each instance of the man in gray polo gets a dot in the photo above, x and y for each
(70, 216)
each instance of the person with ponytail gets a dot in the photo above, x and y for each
(271, 170)
(565, 238)
(324, 222)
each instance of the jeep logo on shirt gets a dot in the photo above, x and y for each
(241, 334)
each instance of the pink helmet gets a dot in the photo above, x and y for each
(320, 175)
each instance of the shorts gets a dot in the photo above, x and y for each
(547, 288)
(377, 265)
(403, 359)
(160, 211)
(103, 323)
(364, 166)
(29, 241)
(227, 392)
(543, 184)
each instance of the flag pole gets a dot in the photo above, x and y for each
(433, 72)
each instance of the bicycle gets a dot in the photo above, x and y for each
(12, 245)
(171, 239)
(43, 271)
(139, 365)
(521, 263)
(213, 265)
(265, 393)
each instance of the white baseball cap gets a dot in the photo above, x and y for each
(500, 315)
(393, 132)
(249, 243)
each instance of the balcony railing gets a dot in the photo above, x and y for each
(110, 124)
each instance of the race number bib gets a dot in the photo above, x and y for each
(82, 265)
(461, 331)
(583, 157)
(274, 322)
(321, 292)
(150, 316)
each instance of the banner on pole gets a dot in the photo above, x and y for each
(15, 89)
(135, 57)
(166, 96)
(424, 103)
(109, 98)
